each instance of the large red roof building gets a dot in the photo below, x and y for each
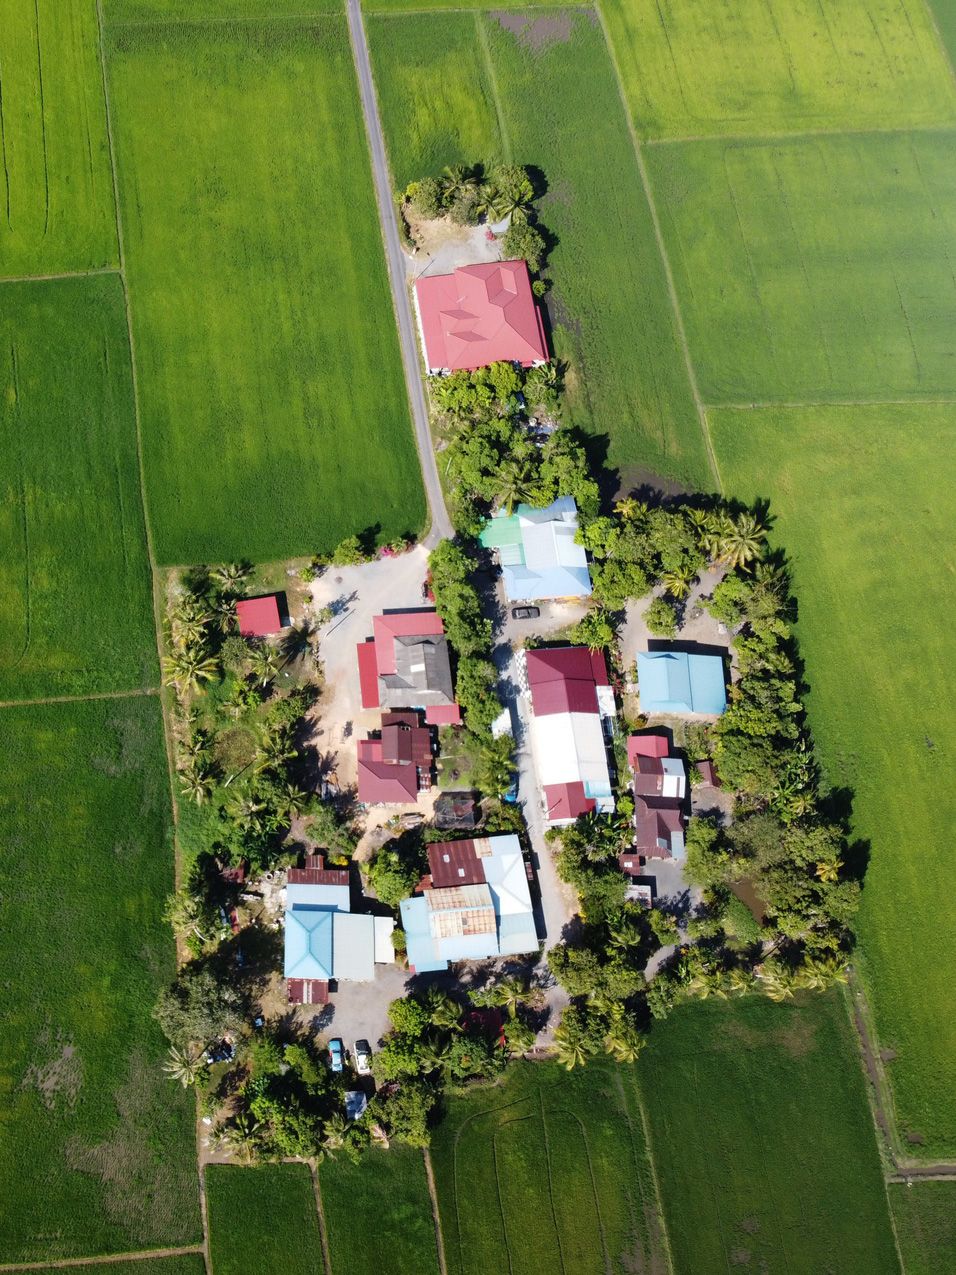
(406, 665)
(397, 764)
(479, 315)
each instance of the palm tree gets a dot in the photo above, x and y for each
(569, 1042)
(442, 1010)
(776, 981)
(185, 1065)
(435, 1053)
(292, 802)
(245, 809)
(187, 670)
(678, 581)
(189, 629)
(263, 664)
(275, 752)
(516, 479)
(629, 509)
(510, 993)
(494, 768)
(231, 574)
(714, 530)
(240, 1138)
(196, 782)
(301, 642)
(739, 981)
(457, 181)
(519, 1036)
(829, 870)
(817, 974)
(742, 541)
(622, 1041)
(701, 521)
(334, 1132)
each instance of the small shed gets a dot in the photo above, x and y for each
(259, 617)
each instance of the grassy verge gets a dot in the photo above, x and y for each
(75, 608)
(263, 1219)
(275, 415)
(97, 1151)
(56, 197)
(757, 1113)
(387, 1189)
(545, 95)
(862, 497)
(547, 1171)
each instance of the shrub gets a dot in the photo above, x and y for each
(661, 618)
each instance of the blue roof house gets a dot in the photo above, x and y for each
(677, 682)
(308, 943)
(324, 939)
(538, 553)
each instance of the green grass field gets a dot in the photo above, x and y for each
(388, 1190)
(75, 608)
(790, 297)
(763, 1140)
(945, 16)
(706, 67)
(542, 92)
(185, 1264)
(274, 408)
(547, 1172)
(97, 1151)
(56, 189)
(925, 1216)
(263, 1219)
(863, 499)
(137, 11)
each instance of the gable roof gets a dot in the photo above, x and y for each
(678, 682)
(538, 553)
(381, 782)
(564, 679)
(478, 315)
(647, 744)
(659, 829)
(567, 801)
(259, 617)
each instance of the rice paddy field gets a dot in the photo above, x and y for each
(184, 1264)
(763, 1140)
(389, 1192)
(863, 498)
(718, 67)
(263, 1219)
(75, 605)
(97, 1152)
(925, 1219)
(548, 1171)
(274, 411)
(788, 297)
(540, 91)
(56, 191)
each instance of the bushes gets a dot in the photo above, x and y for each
(457, 600)
(661, 618)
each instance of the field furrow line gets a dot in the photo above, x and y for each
(138, 692)
(3, 153)
(436, 1212)
(46, 165)
(102, 1259)
(482, 32)
(63, 274)
(320, 1213)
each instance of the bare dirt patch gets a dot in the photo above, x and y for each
(536, 34)
(60, 1077)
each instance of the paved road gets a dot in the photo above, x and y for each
(441, 528)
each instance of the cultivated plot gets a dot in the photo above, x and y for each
(75, 608)
(547, 1171)
(707, 67)
(925, 1214)
(863, 499)
(135, 11)
(274, 409)
(389, 1190)
(56, 190)
(184, 1264)
(541, 92)
(98, 1152)
(269, 1212)
(945, 16)
(790, 297)
(763, 1140)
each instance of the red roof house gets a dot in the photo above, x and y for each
(479, 315)
(394, 767)
(406, 665)
(647, 745)
(259, 617)
(659, 829)
(455, 863)
(565, 679)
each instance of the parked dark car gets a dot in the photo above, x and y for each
(525, 613)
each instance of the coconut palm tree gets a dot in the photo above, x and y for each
(739, 981)
(829, 870)
(240, 1137)
(275, 752)
(519, 1036)
(186, 670)
(817, 974)
(189, 629)
(245, 809)
(263, 664)
(443, 1012)
(229, 575)
(196, 782)
(457, 181)
(775, 981)
(569, 1042)
(714, 530)
(435, 1053)
(678, 581)
(622, 1040)
(334, 1132)
(742, 541)
(510, 993)
(516, 482)
(629, 510)
(185, 1065)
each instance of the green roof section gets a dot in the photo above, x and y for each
(502, 531)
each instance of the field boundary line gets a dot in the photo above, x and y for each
(320, 1215)
(806, 134)
(66, 1263)
(436, 1212)
(831, 402)
(652, 1168)
(482, 33)
(138, 692)
(662, 250)
(93, 273)
(940, 42)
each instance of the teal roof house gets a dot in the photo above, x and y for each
(537, 552)
(678, 682)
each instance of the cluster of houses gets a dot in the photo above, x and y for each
(475, 901)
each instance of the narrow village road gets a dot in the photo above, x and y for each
(441, 528)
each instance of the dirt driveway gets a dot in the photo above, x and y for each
(355, 594)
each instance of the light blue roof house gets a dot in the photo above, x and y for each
(537, 551)
(676, 682)
(489, 914)
(324, 940)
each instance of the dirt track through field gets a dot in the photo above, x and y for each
(67, 1263)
